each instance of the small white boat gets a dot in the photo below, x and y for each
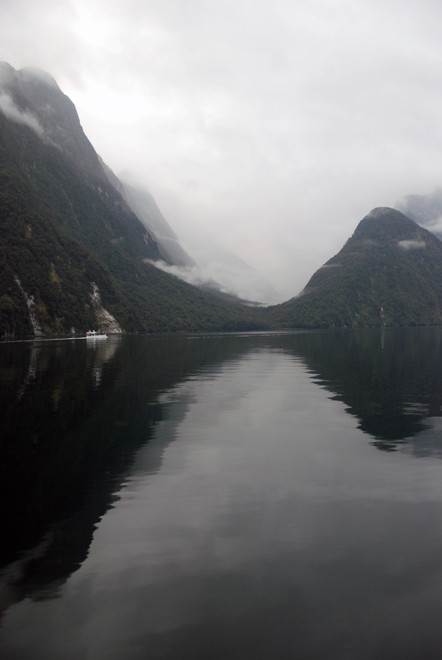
(95, 334)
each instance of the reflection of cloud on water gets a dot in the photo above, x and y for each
(428, 442)
(413, 427)
(423, 444)
(12, 586)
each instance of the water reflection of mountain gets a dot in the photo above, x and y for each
(390, 380)
(74, 419)
(68, 438)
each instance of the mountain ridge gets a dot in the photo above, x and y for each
(74, 254)
(55, 205)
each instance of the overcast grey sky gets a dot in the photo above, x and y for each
(272, 127)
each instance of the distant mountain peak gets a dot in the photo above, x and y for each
(389, 272)
(378, 212)
(386, 225)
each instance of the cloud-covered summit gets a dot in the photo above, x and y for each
(32, 96)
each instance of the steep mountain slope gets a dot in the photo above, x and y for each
(34, 98)
(388, 273)
(75, 255)
(31, 97)
(146, 209)
(72, 253)
(214, 269)
(142, 203)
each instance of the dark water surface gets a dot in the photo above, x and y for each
(261, 496)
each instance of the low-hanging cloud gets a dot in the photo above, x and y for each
(12, 112)
(239, 282)
(190, 274)
(412, 244)
(436, 226)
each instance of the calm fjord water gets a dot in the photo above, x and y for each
(263, 496)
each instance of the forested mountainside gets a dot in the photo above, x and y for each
(388, 273)
(73, 254)
(77, 245)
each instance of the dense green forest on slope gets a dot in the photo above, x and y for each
(62, 230)
(388, 273)
(66, 233)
